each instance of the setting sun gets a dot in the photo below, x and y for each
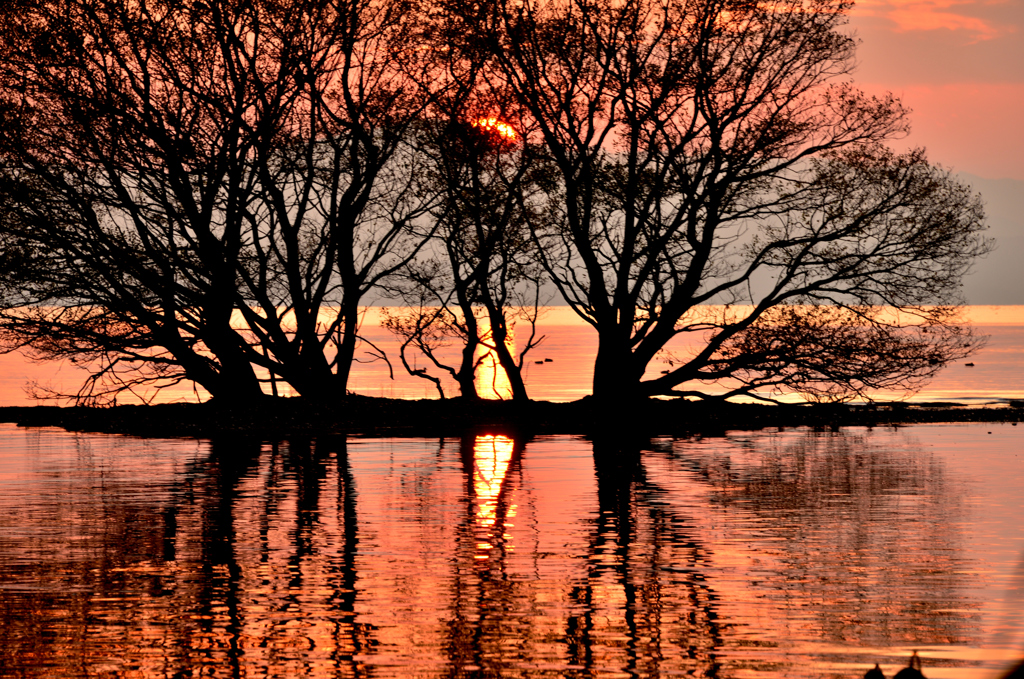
(502, 128)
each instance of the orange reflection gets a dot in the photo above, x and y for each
(491, 379)
(492, 455)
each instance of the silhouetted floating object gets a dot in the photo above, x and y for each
(874, 673)
(912, 670)
(1015, 672)
(549, 360)
(665, 372)
(538, 362)
(969, 365)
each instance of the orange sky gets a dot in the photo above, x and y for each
(959, 64)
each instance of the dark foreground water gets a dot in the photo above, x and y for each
(793, 553)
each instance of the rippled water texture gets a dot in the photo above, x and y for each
(792, 553)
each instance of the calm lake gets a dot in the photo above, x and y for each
(768, 554)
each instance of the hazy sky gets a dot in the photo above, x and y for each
(959, 64)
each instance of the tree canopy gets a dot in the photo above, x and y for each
(209, 190)
(196, 190)
(716, 152)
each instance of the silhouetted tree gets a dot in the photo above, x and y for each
(209, 190)
(481, 275)
(122, 191)
(195, 189)
(716, 153)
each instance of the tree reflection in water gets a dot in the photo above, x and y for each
(265, 537)
(870, 534)
(484, 556)
(640, 551)
(616, 616)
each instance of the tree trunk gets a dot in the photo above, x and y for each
(235, 379)
(616, 377)
(346, 348)
(466, 374)
(307, 369)
(310, 375)
(499, 333)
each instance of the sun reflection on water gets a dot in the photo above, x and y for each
(492, 456)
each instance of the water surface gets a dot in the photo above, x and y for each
(793, 553)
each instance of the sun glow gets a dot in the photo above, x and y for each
(492, 456)
(503, 129)
(491, 380)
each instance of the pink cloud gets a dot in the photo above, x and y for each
(930, 15)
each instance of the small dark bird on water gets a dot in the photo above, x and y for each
(912, 670)
(874, 673)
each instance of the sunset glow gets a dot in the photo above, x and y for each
(391, 340)
(491, 379)
(930, 15)
(503, 129)
(571, 345)
(956, 64)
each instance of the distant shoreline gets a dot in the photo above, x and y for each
(363, 416)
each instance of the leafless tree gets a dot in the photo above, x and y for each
(717, 153)
(194, 190)
(123, 190)
(481, 277)
(209, 190)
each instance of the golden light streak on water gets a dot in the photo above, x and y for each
(492, 454)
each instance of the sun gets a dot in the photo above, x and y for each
(506, 131)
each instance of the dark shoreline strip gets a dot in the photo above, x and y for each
(366, 416)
